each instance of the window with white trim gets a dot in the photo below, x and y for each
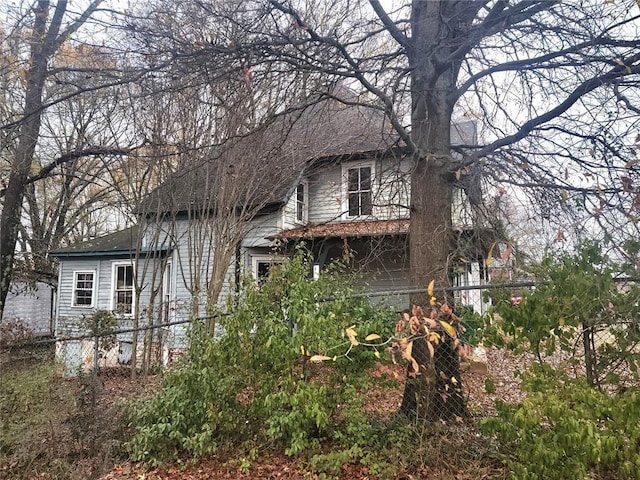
(261, 265)
(301, 202)
(83, 288)
(123, 291)
(359, 191)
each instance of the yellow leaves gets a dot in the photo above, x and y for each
(351, 334)
(432, 299)
(565, 195)
(406, 354)
(320, 358)
(620, 62)
(371, 337)
(489, 258)
(449, 329)
(407, 350)
(432, 352)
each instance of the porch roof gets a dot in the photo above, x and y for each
(347, 229)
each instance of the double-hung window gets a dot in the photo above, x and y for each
(123, 288)
(359, 193)
(83, 287)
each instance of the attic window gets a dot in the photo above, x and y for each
(359, 191)
(301, 202)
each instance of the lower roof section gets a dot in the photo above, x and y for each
(347, 229)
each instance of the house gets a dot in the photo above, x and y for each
(29, 307)
(331, 175)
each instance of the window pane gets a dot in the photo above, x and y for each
(124, 275)
(83, 294)
(354, 204)
(124, 301)
(365, 178)
(83, 297)
(300, 206)
(365, 203)
(353, 180)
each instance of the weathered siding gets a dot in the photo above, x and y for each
(31, 305)
(325, 195)
(68, 315)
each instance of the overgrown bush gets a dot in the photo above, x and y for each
(566, 429)
(580, 307)
(572, 427)
(264, 379)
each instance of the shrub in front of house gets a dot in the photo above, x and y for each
(285, 371)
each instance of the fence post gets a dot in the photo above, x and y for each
(96, 351)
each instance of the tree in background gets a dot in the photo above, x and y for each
(44, 73)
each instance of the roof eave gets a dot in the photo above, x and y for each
(109, 253)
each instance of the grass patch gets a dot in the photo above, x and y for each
(49, 430)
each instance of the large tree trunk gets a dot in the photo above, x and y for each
(435, 36)
(432, 90)
(430, 228)
(435, 392)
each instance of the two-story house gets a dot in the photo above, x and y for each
(333, 176)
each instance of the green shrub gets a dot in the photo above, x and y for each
(566, 429)
(578, 302)
(260, 379)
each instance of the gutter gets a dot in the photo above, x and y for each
(107, 253)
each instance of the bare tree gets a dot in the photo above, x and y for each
(47, 31)
(551, 85)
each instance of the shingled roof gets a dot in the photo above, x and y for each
(122, 243)
(269, 161)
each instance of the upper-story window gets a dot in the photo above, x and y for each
(359, 193)
(123, 288)
(83, 287)
(301, 202)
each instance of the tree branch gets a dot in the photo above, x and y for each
(392, 28)
(70, 157)
(72, 28)
(585, 87)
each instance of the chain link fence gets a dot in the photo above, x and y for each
(66, 391)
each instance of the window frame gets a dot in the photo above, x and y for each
(301, 206)
(74, 296)
(346, 168)
(114, 281)
(256, 260)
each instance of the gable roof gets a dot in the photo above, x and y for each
(268, 162)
